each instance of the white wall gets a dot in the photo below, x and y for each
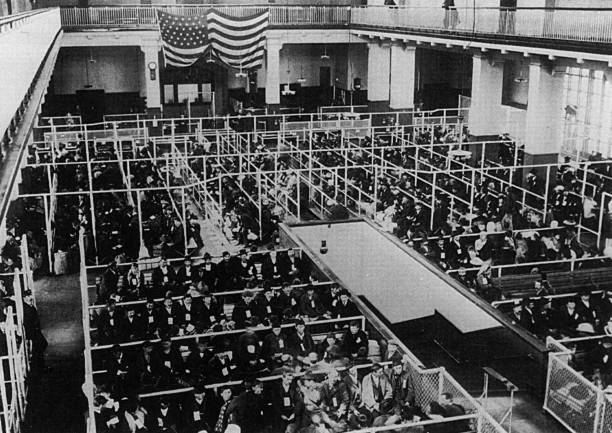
(114, 69)
(345, 65)
(515, 92)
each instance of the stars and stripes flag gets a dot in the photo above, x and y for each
(184, 38)
(235, 42)
(238, 42)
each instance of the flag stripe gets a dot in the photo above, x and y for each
(229, 48)
(217, 29)
(230, 20)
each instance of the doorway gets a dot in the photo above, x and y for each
(91, 104)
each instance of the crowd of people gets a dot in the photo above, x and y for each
(457, 227)
(262, 368)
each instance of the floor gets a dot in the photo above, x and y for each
(527, 416)
(55, 399)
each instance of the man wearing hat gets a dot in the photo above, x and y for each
(344, 306)
(247, 409)
(401, 381)
(198, 411)
(211, 312)
(197, 361)
(146, 366)
(248, 350)
(245, 309)
(33, 333)
(275, 344)
(186, 277)
(588, 311)
(454, 250)
(109, 323)
(243, 269)
(226, 280)
(208, 274)
(163, 278)
(310, 304)
(164, 417)
(222, 365)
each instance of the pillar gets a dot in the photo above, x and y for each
(273, 73)
(151, 78)
(403, 63)
(379, 69)
(486, 116)
(544, 120)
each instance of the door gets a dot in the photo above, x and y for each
(91, 104)
(324, 77)
(325, 85)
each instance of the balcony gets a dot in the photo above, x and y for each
(575, 28)
(145, 18)
(578, 27)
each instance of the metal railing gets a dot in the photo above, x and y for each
(589, 25)
(571, 398)
(145, 17)
(575, 24)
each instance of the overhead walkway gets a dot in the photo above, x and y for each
(24, 78)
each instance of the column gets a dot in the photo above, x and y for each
(379, 69)
(151, 78)
(403, 62)
(544, 122)
(273, 73)
(486, 116)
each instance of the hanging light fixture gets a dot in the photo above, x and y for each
(521, 78)
(241, 73)
(210, 57)
(324, 56)
(301, 80)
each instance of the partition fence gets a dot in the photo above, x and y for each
(15, 359)
(429, 383)
(571, 398)
(190, 179)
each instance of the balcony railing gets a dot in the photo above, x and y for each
(145, 17)
(586, 25)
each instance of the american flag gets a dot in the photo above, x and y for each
(184, 38)
(238, 42)
(235, 42)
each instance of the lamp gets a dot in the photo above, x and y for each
(324, 56)
(210, 58)
(521, 78)
(301, 80)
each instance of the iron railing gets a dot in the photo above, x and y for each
(587, 25)
(572, 24)
(145, 17)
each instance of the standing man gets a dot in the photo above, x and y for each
(507, 16)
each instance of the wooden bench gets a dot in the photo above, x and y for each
(521, 286)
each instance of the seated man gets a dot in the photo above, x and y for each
(376, 389)
(354, 339)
